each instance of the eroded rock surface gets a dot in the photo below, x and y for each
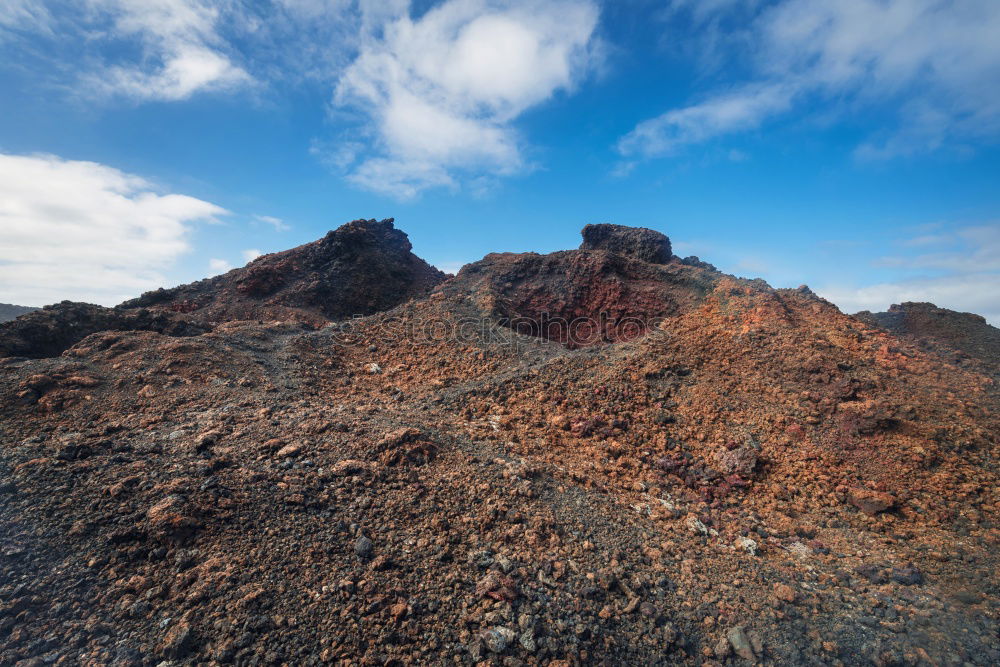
(360, 268)
(647, 245)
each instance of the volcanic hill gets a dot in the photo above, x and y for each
(961, 338)
(9, 311)
(607, 455)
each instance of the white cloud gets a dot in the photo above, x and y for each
(743, 109)
(440, 91)
(217, 266)
(433, 93)
(932, 64)
(251, 254)
(182, 52)
(136, 49)
(86, 231)
(23, 15)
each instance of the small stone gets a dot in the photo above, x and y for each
(374, 369)
(907, 576)
(289, 451)
(178, 641)
(871, 502)
(738, 639)
(527, 641)
(784, 592)
(349, 467)
(364, 548)
(498, 639)
(695, 525)
(747, 545)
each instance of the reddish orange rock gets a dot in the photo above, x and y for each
(871, 502)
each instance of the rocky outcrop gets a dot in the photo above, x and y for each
(644, 244)
(48, 331)
(616, 287)
(360, 268)
(959, 337)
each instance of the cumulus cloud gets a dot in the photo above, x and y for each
(251, 254)
(182, 52)
(86, 231)
(932, 64)
(961, 272)
(440, 92)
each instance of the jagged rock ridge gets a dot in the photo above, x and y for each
(360, 268)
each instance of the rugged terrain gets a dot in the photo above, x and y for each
(606, 455)
(360, 268)
(959, 338)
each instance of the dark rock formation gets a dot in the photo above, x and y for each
(363, 267)
(616, 287)
(956, 336)
(645, 244)
(9, 311)
(48, 331)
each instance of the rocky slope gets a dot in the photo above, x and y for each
(754, 477)
(9, 311)
(962, 338)
(362, 267)
(48, 331)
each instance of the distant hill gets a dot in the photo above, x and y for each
(9, 311)
(955, 336)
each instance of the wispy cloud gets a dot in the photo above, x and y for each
(742, 109)
(152, 50)
(933, 65)
(86, 231)
(439, 93)
(278, 224)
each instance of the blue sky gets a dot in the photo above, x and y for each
(852, 146)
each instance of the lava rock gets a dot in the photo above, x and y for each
(645, 244)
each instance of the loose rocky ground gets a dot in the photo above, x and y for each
(755, 478)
